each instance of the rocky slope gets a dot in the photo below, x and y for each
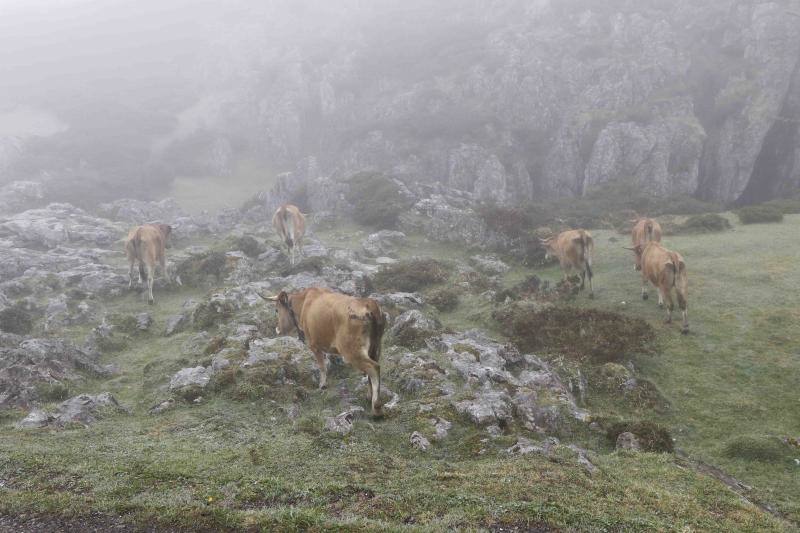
(509, 101)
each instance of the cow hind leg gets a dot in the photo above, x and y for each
(667, 296)
(151, 271)
(590, 275)
(142, 273)
(322, 361)
(684, 311)
(131, 270)
(644, 289)
(373, 372)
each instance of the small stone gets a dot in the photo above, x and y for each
(628, 441)
(419, 442)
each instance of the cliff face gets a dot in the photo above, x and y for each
(510, 100)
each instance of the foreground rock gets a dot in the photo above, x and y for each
(84, 410)
(28, 367)
(189, 383)
(413, 328)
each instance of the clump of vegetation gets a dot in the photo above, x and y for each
(653, 437)
(581, 334)
(123, 323)
(248, 245)
(764, 449)
(444, 299)
(705, 223)
(412, 275)
(787, 206)
(197, 269)
(314, 264)
(527, 288)
(378, 200)
(210, 313)
(52, 392)
(759, 214)
(17, 318)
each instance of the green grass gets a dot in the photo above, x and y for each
(198, 193)
(736, 373)
(239, 462)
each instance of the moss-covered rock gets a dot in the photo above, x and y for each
(412, 275)
(651, 436)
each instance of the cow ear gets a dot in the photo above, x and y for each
(283, 298)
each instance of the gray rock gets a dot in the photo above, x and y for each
(401, 300)
(486, 407)
(176, 324)
(383, 243)
(343, 422)
(441, 427)
(190, 382)
(86, 409)
(419, 442)
(412, 329)
(35, 419)
(57, 224)
(489, 265)
(32, 363)
(161, 407)
(143, 321)
(628, 441)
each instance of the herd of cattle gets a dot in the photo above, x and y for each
(330, 322)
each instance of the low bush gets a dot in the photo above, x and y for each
(17, 318)
(764, 449)
(787, 206)
(412, 275)
(705, 223)
(582, 334)
(248, 245)
(377, 199)
(759, 214)
(653, 437)
(198, 269)
(444, 299)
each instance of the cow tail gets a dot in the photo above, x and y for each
(288, 225)
(136, 242)
(377, 324)
(587, 245)
(648, 228)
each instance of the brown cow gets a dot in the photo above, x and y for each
(330, 322)
(146, 244)
(290, 224)
(666, 270)
(574, 249)
(645, 230)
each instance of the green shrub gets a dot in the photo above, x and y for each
(758, 214)
(247, 244)
(197, 269)
(582, 334)
(17, 318)
(412, 275)
(377, 199)
(653, 437)
(444, 299)
(761, 448)
(787, 206)
(706, 223)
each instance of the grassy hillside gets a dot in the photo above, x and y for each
(244, 461)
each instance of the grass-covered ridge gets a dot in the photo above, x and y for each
(240, 460)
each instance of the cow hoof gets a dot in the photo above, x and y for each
(377, 413)
(685, 330)
(661, 305)
(645, 296)
(323, 387)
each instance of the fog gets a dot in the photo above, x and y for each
(540, 99)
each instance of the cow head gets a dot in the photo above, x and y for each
(166, 231)
(548, 247)
(283, 307)
(637, 250)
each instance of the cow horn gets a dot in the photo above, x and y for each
(628, 248)
(269, 298)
